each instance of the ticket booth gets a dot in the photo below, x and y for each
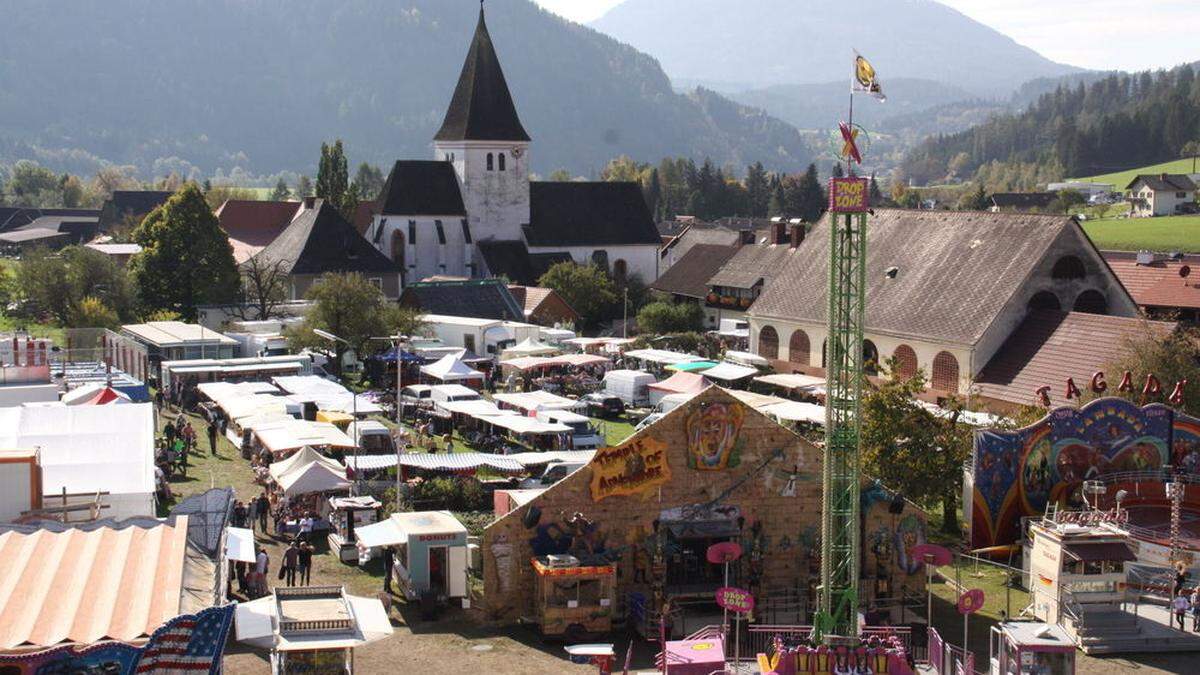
(430, 552)
(572, 600)
(1031, 648)
(346, 515)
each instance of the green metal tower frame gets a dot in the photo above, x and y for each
(840, 545)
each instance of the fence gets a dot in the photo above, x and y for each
(946, 659)
(760, 638)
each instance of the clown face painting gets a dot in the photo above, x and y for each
(713, 435)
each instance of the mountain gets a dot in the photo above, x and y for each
(822, 106)
(767, 42)
(1116, 122)
(255, 86)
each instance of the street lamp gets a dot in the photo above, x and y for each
(353, 402)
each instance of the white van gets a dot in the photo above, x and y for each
(629, 385)
(372, 437)
(583, 435)
(445, 393)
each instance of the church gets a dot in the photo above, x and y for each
(473, 212)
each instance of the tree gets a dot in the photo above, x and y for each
(350, 307)
(559, 176)
(910, 449)
(586, 288)
(976, 200)
(304, 187)
(186, 260)
(368, 182)
(30, 184)
(1066, 201)
(661, 318)
(758, 190)
(264, 288)
(1171, 358)
(281, 191)
(806, 198)
(333, 179)
(91, 312)
(876, 195)
(1191, 149)
(216, 195)
(112, 178)
(56, 284)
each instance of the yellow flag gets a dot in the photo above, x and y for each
(865, 79)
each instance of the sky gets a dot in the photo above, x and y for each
(1098, 34)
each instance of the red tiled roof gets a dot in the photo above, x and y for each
(1158, 284)
(251, 225)
(85, 585)
(532, 297)
(1048, 347)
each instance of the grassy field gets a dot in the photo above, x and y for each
(1174, 233)
(1122, 178)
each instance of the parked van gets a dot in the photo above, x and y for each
(583, 435)
(629, 385)
(445, 393)
(372, 437)
(419, 395)
(555, 471)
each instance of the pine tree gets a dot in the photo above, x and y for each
(653, 194)
(758, 192)
(810, 201)
(186, 260)
(281, 192)
(368, 182)
(304, 187)
(876, 195)
(837, 171)
(778, 204)
(333, 179)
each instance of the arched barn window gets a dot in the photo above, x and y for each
(1068, 267)
(945, 372)
(768, 343)
(798, 348)
(870, 358)
(906, 362)
(1092, 302)
(1044, 300)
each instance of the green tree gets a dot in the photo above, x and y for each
(1170, 357)
(281, 191)
(30, 184)
(216, 195)
(1066, 201)
(333, 179)
(304, 187)
(586, 288)
(186, 260)
(368, 182)
(976, 200)
(350, 307)
(559, 176)
(91, 312)
(910, 449)
(56, 283)
(758, 190)
(661, 318)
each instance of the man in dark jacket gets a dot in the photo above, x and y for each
(212, 437)
(388, 559)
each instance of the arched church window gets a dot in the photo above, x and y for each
(502, 161)
(490, 160)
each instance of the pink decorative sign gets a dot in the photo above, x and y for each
(932, 554)
(724, 552)
(971, 601)
(735, 599)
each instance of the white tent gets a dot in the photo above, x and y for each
(293, 434)
(305, 455)
(796, 411)
(526, 425)
(746, 358)
(257, 625)
(311, 477)
(86, 448)
(329, 396)
(450, 369)
(794, 381)
(239, 544)
(529, 347)
(95, 393)
(533, 401)
(729, 372)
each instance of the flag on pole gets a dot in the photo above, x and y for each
(865, 79)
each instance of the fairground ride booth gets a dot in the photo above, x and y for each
(572, 600)
(1030, 648)
(430, 552)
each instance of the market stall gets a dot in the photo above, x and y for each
(679, 383)
(528, 347)
(572, 600)
(789, 412)
(726, 373)
(311, 629)
(346, 515)
(531, 402)
(530, 432)
(430, 552)
(1031, 648)
(795, 384)
(284, 436)
(449, 369)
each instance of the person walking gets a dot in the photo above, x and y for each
(1181, 605)
(262, 563)
(181, 455)
(388, 558)
(264, 510)
(212, 437)
(306, 554)
(169, 433)
(189, 436)
(306, 527)
(1196, 610)
(291, 560)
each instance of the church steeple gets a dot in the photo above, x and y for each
(482, 108)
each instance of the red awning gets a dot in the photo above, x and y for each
(1113, 551)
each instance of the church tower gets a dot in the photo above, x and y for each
(484, 140)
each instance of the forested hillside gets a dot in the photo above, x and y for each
(194, 86)
(1113, 123)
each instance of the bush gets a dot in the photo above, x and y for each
(452, 493)
(662, 318)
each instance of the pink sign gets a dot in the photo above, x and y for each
(735, 599)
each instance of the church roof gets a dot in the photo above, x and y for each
(482, 108)
(320, 240)
(586, 214)
(421, 188)
(513, 260)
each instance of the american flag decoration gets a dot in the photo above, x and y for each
(188, 644)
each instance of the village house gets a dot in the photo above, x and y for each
(473, 212)
(1163, 194)
(945, 291)
(470, 298)
(544, 306)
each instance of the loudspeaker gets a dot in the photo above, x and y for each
(897, 505)
(532, 517)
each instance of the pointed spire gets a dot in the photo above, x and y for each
(482, 108)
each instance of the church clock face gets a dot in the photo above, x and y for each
(517, 152)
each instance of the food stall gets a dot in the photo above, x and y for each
(346, 515)
(572, 600)
(430, 552)
(311, 629)
(1031, 648)
(306, 479)
(694, 657)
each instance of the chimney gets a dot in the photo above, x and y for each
(780, 233)
(798, 233)
(747, 237)
(310, 202)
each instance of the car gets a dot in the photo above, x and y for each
(648, 420)
(603, 405)
(555, 471)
